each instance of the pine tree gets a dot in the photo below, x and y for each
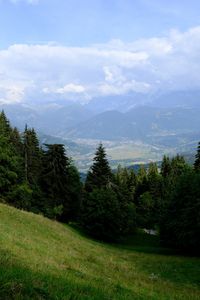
(54, 181)
(71, 208)
(8, 166)
(32, 156)
(178, 165)
(17, 141)
(107, 213)
(180, 225)
(125, 184)
(142, 174)
(154, 181)
(9, 160)
(142, 183)
(100, 174)
(155, 191)
(5, 127)
(197, 159)
(165, 166)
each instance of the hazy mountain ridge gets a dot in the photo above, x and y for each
(160, 126)
(189, 99)
(51, 119)
(138, 123)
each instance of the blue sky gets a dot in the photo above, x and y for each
(81, 49)
(82, 22)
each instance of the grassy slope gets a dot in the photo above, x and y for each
(42, 259)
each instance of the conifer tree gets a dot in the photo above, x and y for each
(54, 181)
(178, 165)
(9, 161)
(8, 166)
(72, 210)
(197, 159)
(5, 127)
(165, 166)
(180, 225)
(142, 183)
(125, 183)
(106, 213)
(32, 156)
(17, 141)
(154, 181)
(100, 175)
(155, 191)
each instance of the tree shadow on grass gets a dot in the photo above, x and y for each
(139, 241)
(21, 283)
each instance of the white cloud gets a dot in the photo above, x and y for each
(71, 88)
(115, 68)
(125, 87)
(11, 94)
(68, 88)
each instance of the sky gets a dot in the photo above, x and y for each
(77, 50)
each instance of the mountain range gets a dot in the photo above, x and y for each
(163, 120)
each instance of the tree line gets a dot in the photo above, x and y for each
(109, 205)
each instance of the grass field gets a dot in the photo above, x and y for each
(42, 259)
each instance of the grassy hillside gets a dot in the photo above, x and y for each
(42, 259)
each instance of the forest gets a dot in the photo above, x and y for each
(111, 204)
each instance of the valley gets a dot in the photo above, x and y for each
(160, 124)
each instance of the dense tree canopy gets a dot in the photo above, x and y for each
(180, 226)
(107, 211)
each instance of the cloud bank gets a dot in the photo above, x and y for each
(51, 71)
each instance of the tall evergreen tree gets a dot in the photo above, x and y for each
(9, 160)
(8, 166)
(32, 156)
(155, 190)
(106, 213)
(180, 225)
(54, 181)
(165, 166)
(5, 127)
(142, 183)
(71, 207)
(197, 159)
(100, 175)
(178, 165)
(125, 183)
(17, 141)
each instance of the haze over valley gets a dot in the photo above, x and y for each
(132, 132)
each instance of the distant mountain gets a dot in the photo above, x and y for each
(189, 99)
(138, 123)
(123, 103)
(169, 124)
(171, 117)
(51, 119)
(120, 103)
(107, 125)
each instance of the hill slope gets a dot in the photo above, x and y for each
(142, 122)
(42, 259)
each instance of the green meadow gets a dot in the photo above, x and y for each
(43, 259)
